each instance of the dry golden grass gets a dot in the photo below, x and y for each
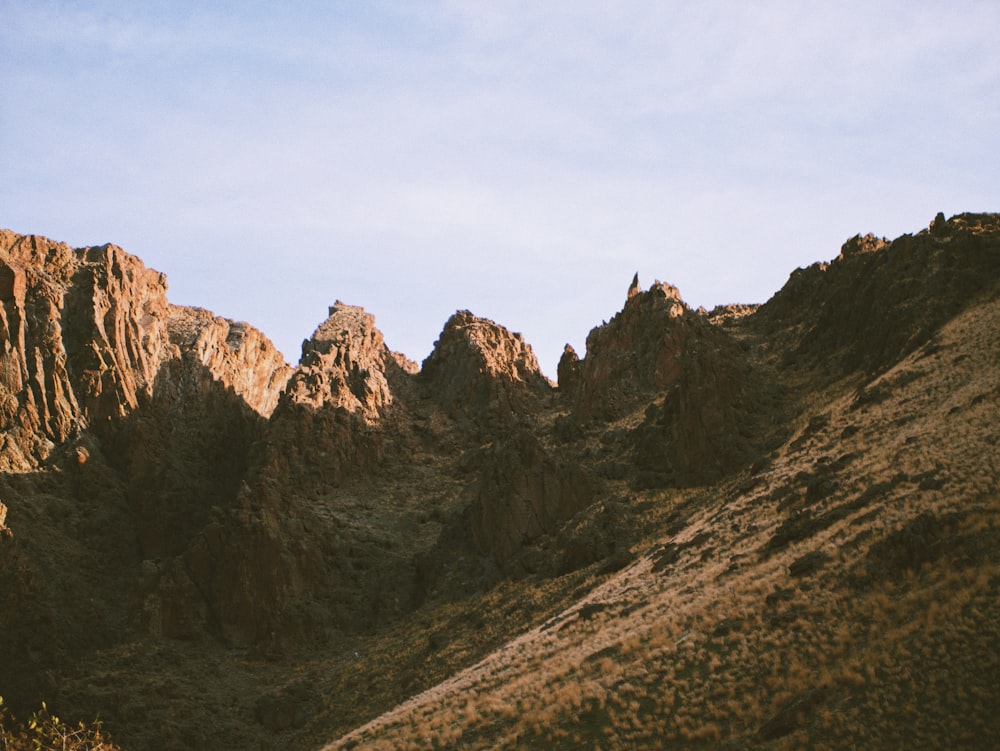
(873, 621)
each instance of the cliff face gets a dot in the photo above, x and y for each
(237, 355)
(264, 562)
(83, 338)
(87, 334)
(521, 493)
(125, 420)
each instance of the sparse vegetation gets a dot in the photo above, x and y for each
(840, 590)
(829, 639)
(44, 731)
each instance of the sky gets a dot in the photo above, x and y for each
(521, 160)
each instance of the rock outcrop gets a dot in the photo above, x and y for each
(480, 372)
(341, 407)
(346, 365)
(139, 413)
(83, 337)
(265, 562)
(878, 299)
(87, 338)
(694, 381)
(187, 450)
(710, 421)
(637, 353)
(521, 493)
(234, 354)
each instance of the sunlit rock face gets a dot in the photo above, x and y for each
(89, 338)
(345, 365)
(481, 372)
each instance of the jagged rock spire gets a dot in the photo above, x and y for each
(633, 288)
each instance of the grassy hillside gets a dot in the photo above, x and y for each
(844, 595)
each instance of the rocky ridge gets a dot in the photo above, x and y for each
(170, 483)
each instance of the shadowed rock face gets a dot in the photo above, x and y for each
(124, 420)
(523, 492)
(702, 392)
(264, 562)
(347, 415)
(879, 300)
(710, 421)
(637, 353)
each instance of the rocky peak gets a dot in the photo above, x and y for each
(478, 368)
(344, 364)
(634, 288)
(859, 245)
(638, 351)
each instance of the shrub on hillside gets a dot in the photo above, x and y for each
(45, 731)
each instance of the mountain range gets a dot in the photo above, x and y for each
(755, 527)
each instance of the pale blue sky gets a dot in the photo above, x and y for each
(519, 159)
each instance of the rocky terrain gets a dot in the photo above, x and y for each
(754, 527)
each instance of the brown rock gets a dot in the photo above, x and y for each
(709, 422)
(234, 354)
(266, 560)
(634, 288)
(635, 354)
(859, 245)
(568, 370)
(482, 372)
(878, 300)
(345, 365)
(522, 492)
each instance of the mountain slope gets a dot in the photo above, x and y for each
(846, 593)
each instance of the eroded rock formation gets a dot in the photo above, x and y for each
(697, 381)
(878, 299)
(635, 354)
(346, 365)
(480, 372)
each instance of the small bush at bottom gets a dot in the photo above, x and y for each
(45, 731)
